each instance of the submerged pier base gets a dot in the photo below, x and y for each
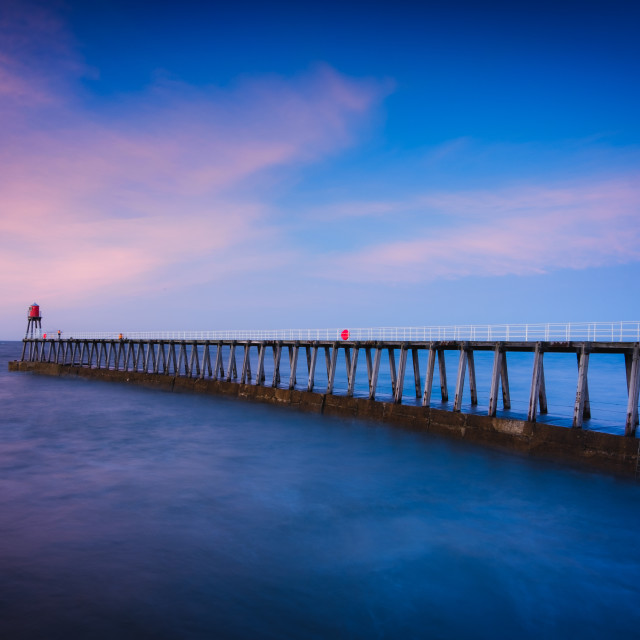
(588, 449)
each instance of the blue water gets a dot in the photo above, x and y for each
(132, 513)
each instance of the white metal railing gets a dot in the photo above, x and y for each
(625, 331)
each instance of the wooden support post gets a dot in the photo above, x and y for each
(206, 361)
(182, 359)
(130, 355)
(373, 385)
(172, 359)
(351, 380)
(583, 367)
(332, 368)
(291, 366)
(24, 350)
(117, 358)
(473, 388)
(628, 361)
(367, 357)
(587, 403)
(307, 350)
(347, 360)
(218, 367)
(542, 393)
(142, 356)
(151, 356)
(442, 368)
(416, 372)
(428, 381)
(161, 355)
(135, 351)
(196, 359)
(634, 387)
(248, 362)
(495, 380)
(462, 369)
(134, 356)
(231, 367)
(293, 360)
(535, 383)
(402, 366)
(262, 347)
(245, 364)
(84, 347)
(327, 360)
(277, 355)
(109, 353)
(312, 366)
(504, 377)
(145, 356)
(392, 369)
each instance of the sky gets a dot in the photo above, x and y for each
(200, 166)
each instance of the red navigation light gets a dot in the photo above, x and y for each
(34, 311)
(345, 334)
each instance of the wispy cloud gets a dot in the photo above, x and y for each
(97, 199)
(523, 230)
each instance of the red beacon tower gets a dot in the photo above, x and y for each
(34, 321)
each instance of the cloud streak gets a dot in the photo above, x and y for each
(114, 198)
(525, 230)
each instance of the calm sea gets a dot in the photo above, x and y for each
(131, 513)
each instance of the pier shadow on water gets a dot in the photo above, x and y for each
(132, 513)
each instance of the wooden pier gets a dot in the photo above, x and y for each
(243, 362)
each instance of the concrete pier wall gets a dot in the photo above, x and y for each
(589, 449)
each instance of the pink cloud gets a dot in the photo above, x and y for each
(524, 230)
(115, 199)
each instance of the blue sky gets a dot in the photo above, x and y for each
(198, 166)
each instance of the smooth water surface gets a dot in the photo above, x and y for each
(130, 513)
